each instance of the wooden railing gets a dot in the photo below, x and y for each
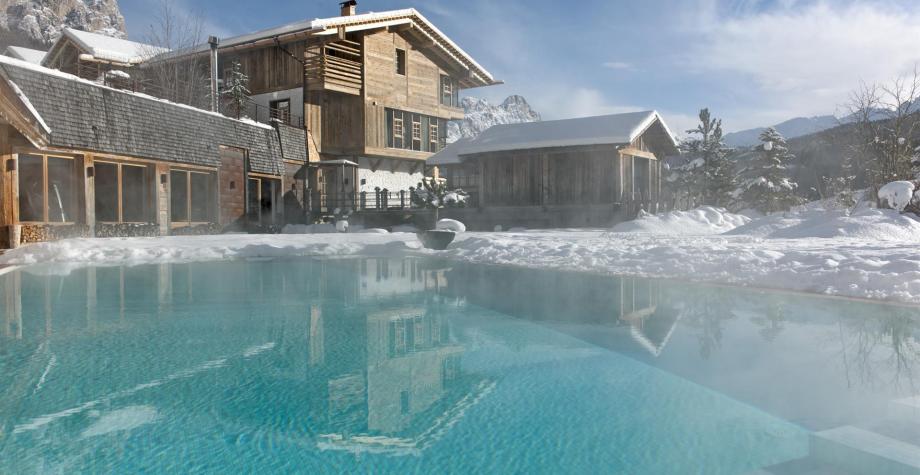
(336, 66)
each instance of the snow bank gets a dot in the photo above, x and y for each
(451, 225)
(405, 228)
(700, 221)
(869, 224)
(869, 253)
(898, 194)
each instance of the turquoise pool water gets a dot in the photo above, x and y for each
(417, 366)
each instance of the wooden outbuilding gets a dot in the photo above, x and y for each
(590, 171)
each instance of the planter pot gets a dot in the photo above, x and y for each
(437, 240)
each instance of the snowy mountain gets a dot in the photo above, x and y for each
(37, 23)
(797, 127)
(480, 115)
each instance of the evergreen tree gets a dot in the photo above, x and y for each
(236, 89)
(708, 173)
(766, 185)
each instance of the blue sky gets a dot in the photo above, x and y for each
(753, 62)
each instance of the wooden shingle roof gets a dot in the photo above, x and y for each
(87, 116)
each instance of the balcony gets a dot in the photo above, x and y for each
(335, 66)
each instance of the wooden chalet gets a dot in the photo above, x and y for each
(101, 58)
(590, 171)
(374, 92)
(82, 159)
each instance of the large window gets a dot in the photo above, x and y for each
(450, 91)
(192, 197)
(123, 193)
(409, 131)
(47, 189)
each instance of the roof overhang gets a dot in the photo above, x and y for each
(410, 21)
(16, 109)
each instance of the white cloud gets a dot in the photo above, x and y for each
(806, 60)
(619, 65)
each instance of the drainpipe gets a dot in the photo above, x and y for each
(214, 42)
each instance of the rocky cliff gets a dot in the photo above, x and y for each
(37, 23)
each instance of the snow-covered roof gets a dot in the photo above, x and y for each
(107, 48)
(616, 129)
(33, 56)
(450, 155)
(320, 26)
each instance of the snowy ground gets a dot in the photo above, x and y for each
(869, 254)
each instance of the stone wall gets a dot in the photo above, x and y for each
(106, 230)
(392, 175)
(200, 230)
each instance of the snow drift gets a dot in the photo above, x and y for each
(700, 221)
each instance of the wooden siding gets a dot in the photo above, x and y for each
(558, 177)
(269, 69)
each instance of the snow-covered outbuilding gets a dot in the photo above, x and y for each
(83, 159)
(577, 172)
(92, 55)
(30, 55)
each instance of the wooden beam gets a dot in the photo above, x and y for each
(375, 163)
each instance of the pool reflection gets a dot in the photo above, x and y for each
(387, 356)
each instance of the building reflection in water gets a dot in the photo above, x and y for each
(363, 349)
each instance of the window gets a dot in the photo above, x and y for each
(191, 197)
(433, 137)
(400, 62)
(450, 91)
(397, 134)
(425, 134)
(122, 193)
(416, 132)
(47, 189)
(281, 110)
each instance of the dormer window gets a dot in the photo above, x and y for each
(400, 62)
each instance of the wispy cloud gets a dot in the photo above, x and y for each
(619, 66)
(805, 60)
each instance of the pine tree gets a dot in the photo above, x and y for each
(766, 185)
(236, 89)
(708, 174)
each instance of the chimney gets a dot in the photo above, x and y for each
(349, 7)
(214, 42)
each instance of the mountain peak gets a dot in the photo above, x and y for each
(480, 115)
(791, 128)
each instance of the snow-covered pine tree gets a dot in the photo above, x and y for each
(766, 185)
(236, 89)
(709, 173)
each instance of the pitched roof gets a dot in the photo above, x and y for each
(33, 56)
(319, 27)
(84, 115)
(107, 48)
(616, 129)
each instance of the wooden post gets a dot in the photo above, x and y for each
(162, 200)
(89, 192)
(545, 199)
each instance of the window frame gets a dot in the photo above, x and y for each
(274, 216)
(402, 62)
(46, 188)
(274, 110)
(119, 191)
(420, 134)
(188, 222)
